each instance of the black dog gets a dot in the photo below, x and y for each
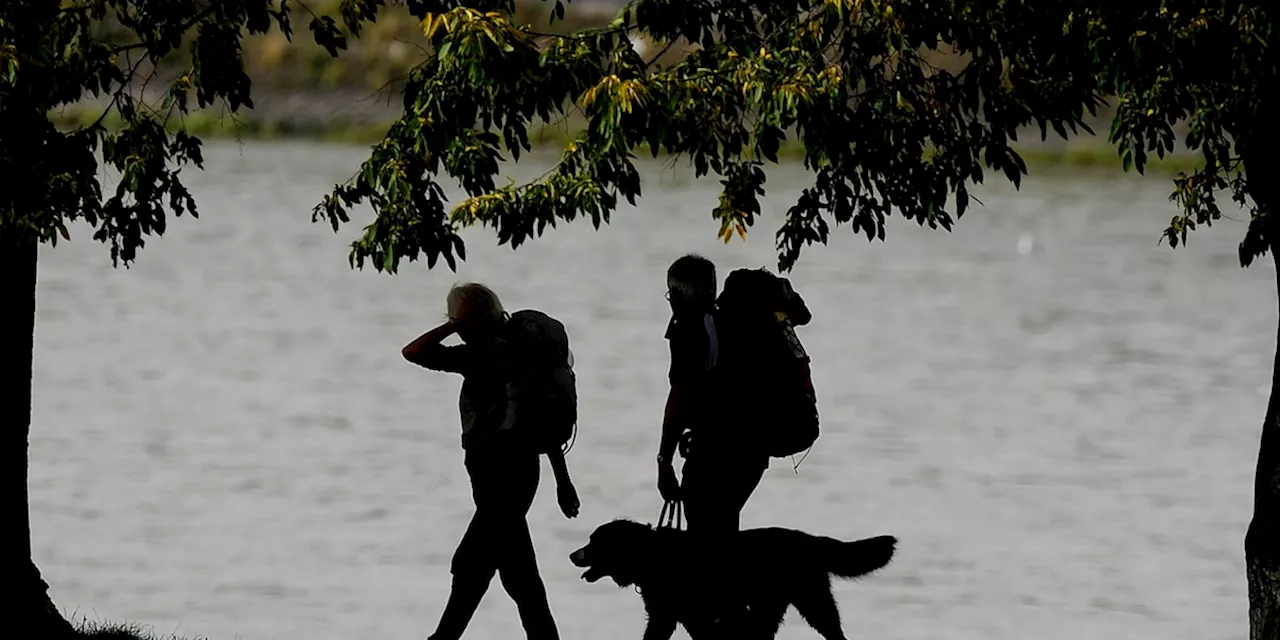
(776, 568)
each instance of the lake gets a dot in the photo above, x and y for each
(1056, 416)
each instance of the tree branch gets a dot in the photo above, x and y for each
(585, 36)
(183, 28)
(661, 53)
(115, 97)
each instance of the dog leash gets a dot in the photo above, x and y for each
(672, 516)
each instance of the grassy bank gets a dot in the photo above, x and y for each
(1079, 153)
(101, 631)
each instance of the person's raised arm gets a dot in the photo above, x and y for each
(426, 350)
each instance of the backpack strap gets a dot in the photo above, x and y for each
(713, 341)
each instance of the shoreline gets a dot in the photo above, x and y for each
(355, 117)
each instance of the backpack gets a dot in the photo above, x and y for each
(542, 394)
(763, 365)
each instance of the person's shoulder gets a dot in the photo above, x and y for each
(684, 325)
(693, 332)
(673, 327)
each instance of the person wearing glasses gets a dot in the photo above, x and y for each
(720, 471)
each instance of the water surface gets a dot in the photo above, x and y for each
(1057, 417)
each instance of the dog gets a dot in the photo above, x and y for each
(776, 568)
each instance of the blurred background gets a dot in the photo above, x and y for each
(1057, 416)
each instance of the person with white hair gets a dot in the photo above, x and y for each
(503, 466)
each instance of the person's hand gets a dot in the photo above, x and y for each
(567, 496)
(686, 439)
(668, 485)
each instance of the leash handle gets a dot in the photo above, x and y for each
(672, 515)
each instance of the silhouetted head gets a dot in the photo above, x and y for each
(617, 550)
(476, 311)
(691, 284)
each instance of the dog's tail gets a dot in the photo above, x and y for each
(858, 558)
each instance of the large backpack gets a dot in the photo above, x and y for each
(542, 395)
(763, 366)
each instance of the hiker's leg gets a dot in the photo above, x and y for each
(517, 563)
(473, 567)
(711, 526)
(518, 571)
(754, 473)
(697, 495)
(698, 504)
(474, 562)
(741, 478)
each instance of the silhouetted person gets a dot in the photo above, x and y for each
(720, 470)
(503, 467)
(705, 420)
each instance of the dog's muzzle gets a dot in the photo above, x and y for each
(579, 559)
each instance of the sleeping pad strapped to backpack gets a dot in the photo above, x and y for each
(763, 365)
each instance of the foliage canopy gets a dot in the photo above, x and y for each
(884, 126)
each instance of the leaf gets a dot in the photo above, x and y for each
(326, 33)
(459, 246)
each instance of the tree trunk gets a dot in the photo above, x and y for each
(26, 592)
(1262, 542)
